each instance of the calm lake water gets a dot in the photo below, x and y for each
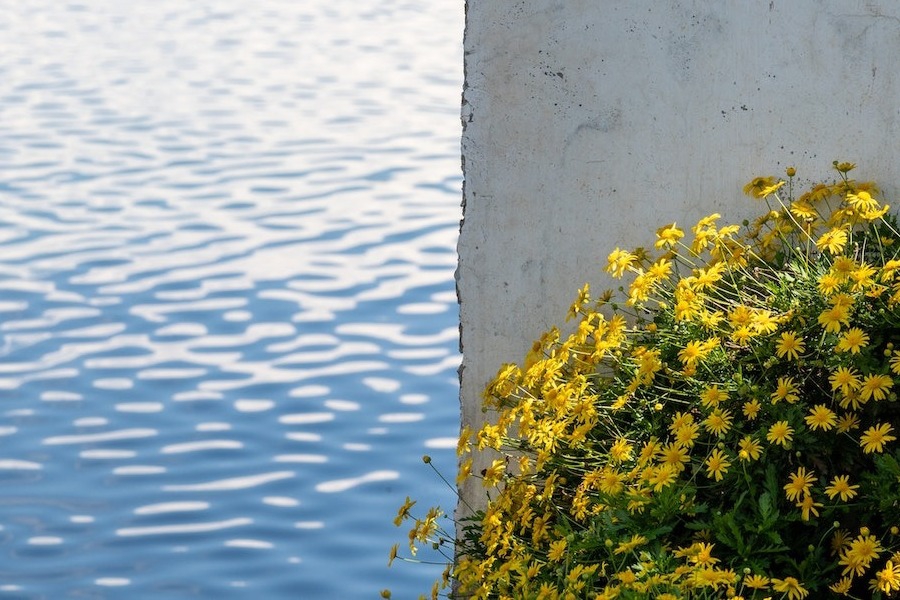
(228, 325)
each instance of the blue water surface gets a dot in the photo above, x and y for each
(228, 325)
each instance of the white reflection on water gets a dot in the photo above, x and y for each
(183, 528)
(232, 483)
(342, 485)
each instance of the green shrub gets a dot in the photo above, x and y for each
(728, 431)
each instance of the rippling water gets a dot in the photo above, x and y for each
(228, 328)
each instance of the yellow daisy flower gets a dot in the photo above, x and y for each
(749, 448)
(790, 346)
(751, 409)
(852, 341)
(875, 387)
(887, 580)
(717, 465)
(713, 396)
(785, 390)
(844, 379)
(840, 486)
(821, 417)
(756, 582)
(718, 422)
(832, 318)
(800, 484)
(833, 240)
(875, 437)
(780, 433)
(847, 422)
(791, 587)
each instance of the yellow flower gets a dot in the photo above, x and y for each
(393, 554)
(639, 290)
(718, 422)
(751, 409)
(660, 477)
(741, 336)
(661, 269)
(668, 236)
(712, 396)
(844, 167)
(494, 473)
(887, 580)
(789, 346)
(557, 550)
(874, 438)
(895, 362)
(403, 513)
(465, 470)
(694, 351)
(705, 278)
(833, 241)
(626, 577)
(821, 417)
(701, 554)
(800, 484)
(610, 482)
(680, 420)
(756, 582)
(686, 435)
(862, 277)
(749, 449)
(807, 506)
(829, 283)
(620, 451)
(763, 321)
(629, 545)
(847, 422)
(717, 465)
(584, 296)
(841, 586)
(618, 261)
(832, 318)
(739, 315)
(859, 554)
(760, 187)
(840, 486)
(852, 341)
(791, 587)
(780, 433)
(839, 540)
(786, 390)
(674, 455)
(842, 266)
(875, 386)
(464, 444)
(844, 379)
(862, 201)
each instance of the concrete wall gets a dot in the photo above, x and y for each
(589, 123)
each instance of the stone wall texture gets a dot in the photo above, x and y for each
(589, 123)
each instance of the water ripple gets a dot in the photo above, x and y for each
(183, 528)
(228, 306)
(233, 483)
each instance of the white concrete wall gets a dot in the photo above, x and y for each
(589, 123)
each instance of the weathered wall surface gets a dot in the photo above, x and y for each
(589, 123)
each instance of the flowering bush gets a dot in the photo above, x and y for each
(728, 431)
